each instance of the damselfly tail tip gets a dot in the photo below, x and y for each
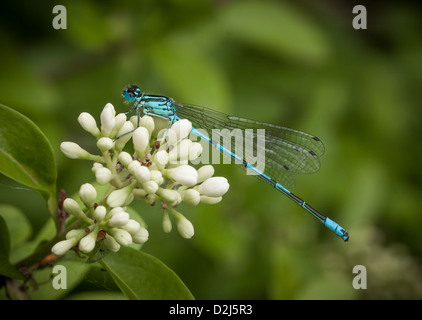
(345, 235)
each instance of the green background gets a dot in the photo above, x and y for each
(299, 64)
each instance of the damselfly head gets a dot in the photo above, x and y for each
(131, 93)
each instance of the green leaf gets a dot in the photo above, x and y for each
(19, 226)
(4, 238)
(26, 155)
(100, 251)
(6, 268)
(20, 230)
(141, 276)
(73, 273)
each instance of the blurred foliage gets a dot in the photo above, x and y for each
(293, 63)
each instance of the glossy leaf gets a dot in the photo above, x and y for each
(71, 270)
(26, 155)
(6, 268)
(141, 276)
(19, 226)
(19, 229)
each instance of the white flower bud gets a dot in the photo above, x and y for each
(124, 134)
(119, 219)
(166, 222)
(134, 120)
(191, 197)
(121, 236)
(60, 248)
(96, 166)
(195, 150)
(87, 243)
(150, 187)
(73, 150)
(135, 164)
(210, 200)
(120, 119)
(125, 158)
(142, 174)
(169, 135)
(157, 176)
(184, 174)
(75, 234)
(132, 226)
(150, 199)
(111, 243)
(141, 236)
(107, 119)
(105, 144)
(118, 197)
(114, 211)
(182, 128)
(139, 194)
(129, 199)
(171, 197)
(147, 122)
(181, 151)
(161, 158)
(99, 213)
(205, 172)
(88, 194)
(73, 208)
(140, 140)
(185, 227)
(89, 124)
(103, 175)
(214, 187)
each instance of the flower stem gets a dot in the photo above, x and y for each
(112, 168)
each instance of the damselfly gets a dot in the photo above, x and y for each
(287, 151)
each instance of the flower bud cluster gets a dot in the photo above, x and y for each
(115, 226)
(155, 170)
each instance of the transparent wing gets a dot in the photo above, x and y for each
(287, 151)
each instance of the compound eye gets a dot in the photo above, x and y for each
(131, 93)
(134, 91)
